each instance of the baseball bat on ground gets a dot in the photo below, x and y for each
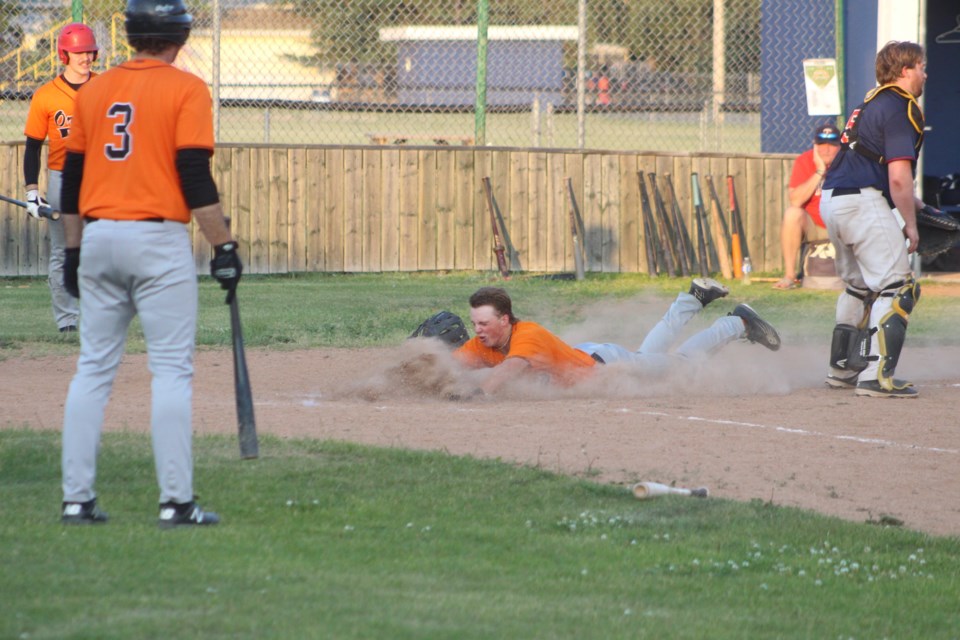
(720, 230)
(666, 233)
(683, 236)
(498, 246)
(575, 231)
(646, 490)
(654, 247)
(45, 211)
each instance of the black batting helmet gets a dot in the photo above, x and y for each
(166, 20)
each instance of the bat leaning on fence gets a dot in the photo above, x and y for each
(713, 261)
(498, 246)
(45, 211)
(740, 251)
(575, 231)
(656, 261)
(683, 236)
(673, 261)
(720, 230)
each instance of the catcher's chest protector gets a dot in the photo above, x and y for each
(851, 136)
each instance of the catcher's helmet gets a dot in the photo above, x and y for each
(76, 37)
(158, 19)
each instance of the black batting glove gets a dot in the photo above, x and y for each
(226, 268)
(71, 265)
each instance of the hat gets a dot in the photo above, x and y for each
(826, 134)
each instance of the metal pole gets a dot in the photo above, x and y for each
(581, 73)
(841, 71)
(719, 63)
(480, 107)
(216, 70)
(77, 10)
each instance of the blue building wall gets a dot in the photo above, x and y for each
(445, 72)
(791, 31)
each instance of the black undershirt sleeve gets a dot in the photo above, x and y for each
(70, 189)
(31, 161)
(196, 181)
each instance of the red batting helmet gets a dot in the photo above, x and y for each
(76, 37)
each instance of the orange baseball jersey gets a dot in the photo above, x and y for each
(129, 123)
(545, 352)
(51, 116)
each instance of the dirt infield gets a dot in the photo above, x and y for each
(751, 425)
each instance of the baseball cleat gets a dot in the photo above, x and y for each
(706, 290)
(186, 514)
(850, 382)
(872, 389)
(82, 513)
(758, 330)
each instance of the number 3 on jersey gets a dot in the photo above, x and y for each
(122, 113)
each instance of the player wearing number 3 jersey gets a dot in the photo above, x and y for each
(137, 170)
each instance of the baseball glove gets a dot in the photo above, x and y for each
(934, 241)
(931, 218)
(446, 326)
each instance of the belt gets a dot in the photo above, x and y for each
(90, 219)
(597, 358)
(845, 191)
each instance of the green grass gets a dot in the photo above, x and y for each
(329, 310)
(667, 132)
(330, 540)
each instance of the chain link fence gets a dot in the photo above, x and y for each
(607, 74)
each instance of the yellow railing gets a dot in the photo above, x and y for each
(46, 66)
(38, 69)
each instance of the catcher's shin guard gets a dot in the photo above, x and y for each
(892, 328)
(850, 348)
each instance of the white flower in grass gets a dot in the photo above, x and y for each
(583, 572)
(290, 503)
(818, 582)
(627, 612)
(348, 527)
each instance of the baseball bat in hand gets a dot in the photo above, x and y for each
(646, 490)
(246, 422)
(45, 211)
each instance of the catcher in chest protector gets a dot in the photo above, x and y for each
(510, 347)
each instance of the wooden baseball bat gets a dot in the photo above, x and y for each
(701, 238)
(720, 230)
(683, 236)
(498, 246)
(736, 248)
(666, 233)
(246, 422)
(653, 245)
(44, 212)
(575, 231)
(713, 260)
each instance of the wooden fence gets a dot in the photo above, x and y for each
(398, 208)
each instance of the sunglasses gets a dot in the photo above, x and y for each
(828, 136)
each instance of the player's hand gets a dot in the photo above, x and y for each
(913, 238)
(34, 202)
(226, 268)
(71, 265)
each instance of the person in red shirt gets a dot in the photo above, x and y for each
(50, 117)
(804, 194)
(511, 347)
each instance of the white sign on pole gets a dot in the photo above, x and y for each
(823, 86)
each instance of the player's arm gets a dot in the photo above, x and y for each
(200, 192)
(31, 163)
(504, 372)
(800, 194)
(900, 173)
